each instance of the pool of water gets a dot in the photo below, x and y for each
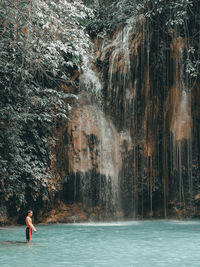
(137, 243)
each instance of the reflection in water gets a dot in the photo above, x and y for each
(12, 243)
(132, 243)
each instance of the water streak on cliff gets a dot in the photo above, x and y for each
(181, 122)
(97, 151)
(131, 148)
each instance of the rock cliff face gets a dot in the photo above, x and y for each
(131, 148)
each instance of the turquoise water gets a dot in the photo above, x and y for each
(139, 243)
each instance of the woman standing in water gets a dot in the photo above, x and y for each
(30, 226)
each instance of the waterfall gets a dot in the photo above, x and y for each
(96, 146)
(131, 131)
(121, 52)
(89, 80)
(119, 63)
(181, 131)
(181, 146)
(121, 89)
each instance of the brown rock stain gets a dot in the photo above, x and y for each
(177, 103)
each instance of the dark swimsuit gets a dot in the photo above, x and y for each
(28, 233)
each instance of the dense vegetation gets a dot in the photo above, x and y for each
(41, 44)
(176, 18)
(163, 17)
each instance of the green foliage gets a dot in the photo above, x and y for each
(192, 62)
(162, 16)
(176, 18)
(41, 44)
(169, 12)
(109, 15)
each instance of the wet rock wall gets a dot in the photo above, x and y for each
(137, 147)
(131, 147)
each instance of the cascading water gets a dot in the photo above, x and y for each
(119, 84)
(89, 80)
(181, 132)
(132, 144)
(131, 134)
(121, 51)
(96, 148)
(130, 87)
(121, 88)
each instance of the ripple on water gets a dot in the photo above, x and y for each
(97, 224)
(185, 222)
(126, 243)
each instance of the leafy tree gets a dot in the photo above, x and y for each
(109, 14)
(179, 17)
(42, 43)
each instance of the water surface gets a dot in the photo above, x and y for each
(137, 243)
